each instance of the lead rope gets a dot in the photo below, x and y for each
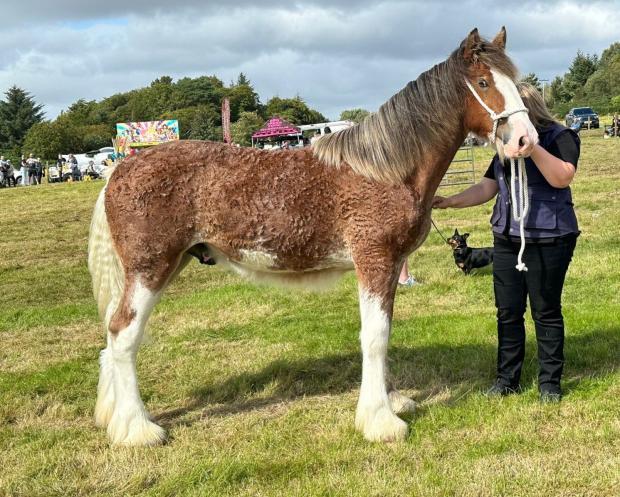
(523, 206)
(524, 202)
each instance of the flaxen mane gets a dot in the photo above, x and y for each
(388, 144)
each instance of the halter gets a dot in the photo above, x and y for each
(524, 203)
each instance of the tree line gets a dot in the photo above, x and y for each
(590, 81)
(196, 102)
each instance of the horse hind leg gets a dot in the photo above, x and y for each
(105, 388)
(119, 404)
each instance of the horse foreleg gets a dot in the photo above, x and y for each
(119, 397)
(375, 417)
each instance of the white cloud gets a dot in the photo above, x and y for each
(349, 54)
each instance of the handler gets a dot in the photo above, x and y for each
(551, 233)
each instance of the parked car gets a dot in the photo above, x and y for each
(83, 160)
(582, 115)
(95, 155)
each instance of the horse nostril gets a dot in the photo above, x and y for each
(521, 142)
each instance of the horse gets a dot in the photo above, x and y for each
(359, 199)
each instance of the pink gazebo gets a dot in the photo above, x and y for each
(277, 129)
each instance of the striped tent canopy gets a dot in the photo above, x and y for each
(276, 126)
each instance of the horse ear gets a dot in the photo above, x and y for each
(465, 236)
(500, 38)
(472, 46)
(456, 232)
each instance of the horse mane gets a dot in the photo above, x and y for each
(387, 145)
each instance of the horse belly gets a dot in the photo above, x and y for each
(274, 262)
(266, 267)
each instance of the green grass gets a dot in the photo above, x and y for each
(257, 386)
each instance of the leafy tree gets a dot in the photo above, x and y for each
(582, 68)
(604, 84)
(18, 113)
(95, 136)
(242, 98)
(203, 126)
(558, 94)
(533, 80)
(195, 102)
(569, 90)
(48, 139)
(355, 115)
(191, 92)
(243, 80)
(293, 110)
(79, 113)
(241, 130)
(190, 117)
(163, 80)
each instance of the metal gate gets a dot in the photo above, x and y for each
(461, 170)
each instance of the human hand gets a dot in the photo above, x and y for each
(441, 202)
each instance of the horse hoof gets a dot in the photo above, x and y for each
(382, 425)
(136, 431)
(400, 403)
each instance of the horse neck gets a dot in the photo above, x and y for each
(428, 174)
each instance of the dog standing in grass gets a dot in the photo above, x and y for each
(467, 258)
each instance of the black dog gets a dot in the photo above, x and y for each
(469, 258)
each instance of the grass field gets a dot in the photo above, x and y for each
(257, 386)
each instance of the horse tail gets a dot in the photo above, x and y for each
(103, 263)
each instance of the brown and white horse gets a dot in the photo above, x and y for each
(360, 199)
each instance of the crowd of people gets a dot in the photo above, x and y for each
(31, 171)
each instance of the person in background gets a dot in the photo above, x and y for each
(60, 162)
(23, 168)
(75, 170)
(405, 279)
(551, 235)
(39, 170)
(3, 171)
(10, 174)
(32, 169)
(91, 172)
(7, 171)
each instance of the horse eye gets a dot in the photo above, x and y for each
(482, 83)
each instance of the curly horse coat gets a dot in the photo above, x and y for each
(359, 200)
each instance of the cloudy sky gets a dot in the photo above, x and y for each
(336, 54)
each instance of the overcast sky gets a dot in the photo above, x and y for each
(336, 54)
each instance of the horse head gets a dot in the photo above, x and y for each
(494, 109)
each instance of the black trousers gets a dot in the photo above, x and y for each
(542, 283)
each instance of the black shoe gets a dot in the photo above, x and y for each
(499, 389)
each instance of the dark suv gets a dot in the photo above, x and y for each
(582, 115)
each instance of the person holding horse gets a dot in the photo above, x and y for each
(551, 233)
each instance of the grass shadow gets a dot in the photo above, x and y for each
(453, 371)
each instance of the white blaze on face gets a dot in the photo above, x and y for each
(519, 124)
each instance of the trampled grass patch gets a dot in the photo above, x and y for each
(257, 386)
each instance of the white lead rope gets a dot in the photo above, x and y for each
(523, 206)
(519, 212)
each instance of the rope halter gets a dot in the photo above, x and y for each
(519, 212)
